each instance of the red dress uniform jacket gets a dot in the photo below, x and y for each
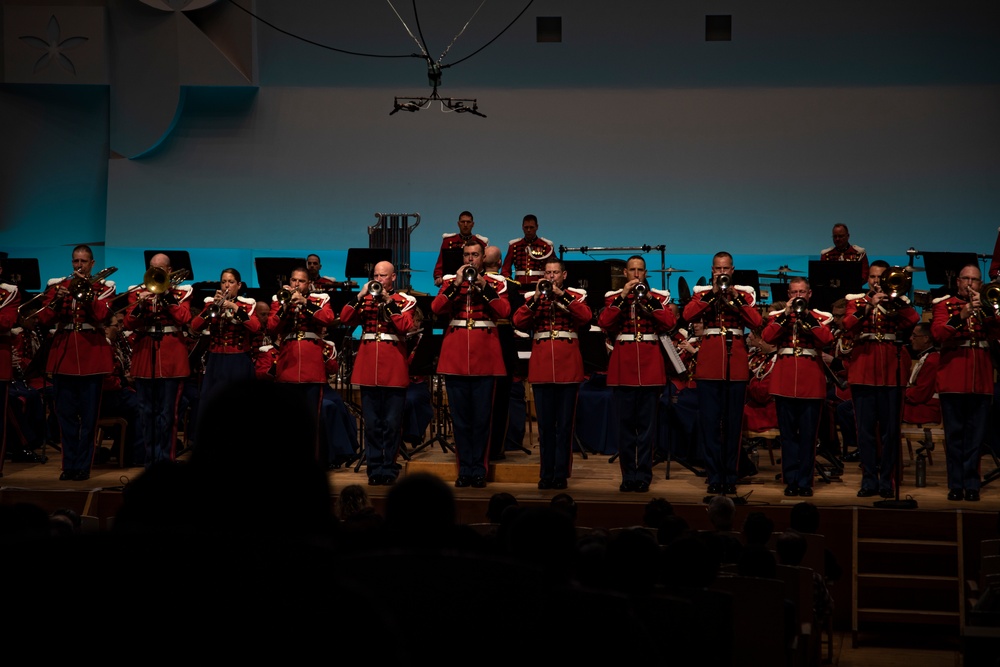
(10, 299)
(382, 359)
(169, 316)
(452, 241)
(79, 346)
(637, 358)
(229, 334)
(718, 317)
(689, 357)
(300, 331)
(798, 372)
(525, 260)
(471, 344)
(760, 414)
(878, 354)
(265, 363)
(555, 347)
(921, 404)
(853, 253)
(965, 366)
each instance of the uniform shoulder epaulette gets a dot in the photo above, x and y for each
(542, 238)
(513, 241)
(859, 249)
(482, 238)
(321, 297)
(449, 234)
(826, 317)
(528, 296)
(11, 291)
(447, 278)
(855, 297)
(411, 301)
(941, 298)
(55, 281)
(8, 287)
(701, 288)
(247, 300)
(576, 290)
(612, 293)
(775, 313)
(662, 292)
(266, 348)
(750, 290)
(826, 250)
(185, 290)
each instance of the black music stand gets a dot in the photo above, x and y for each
(451, 260)
(943, 268)
(424, 362)
(361, 261)
(179, 260)
(830, 281)
(22, 272)
(779, 292)
(749, 278)
(276, 270)
(592, 276)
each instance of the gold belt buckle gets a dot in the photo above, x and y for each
(797, 352)
(638, 336)
(879, 336)
(553, 334)
(469, 322)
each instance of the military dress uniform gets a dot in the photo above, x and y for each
(760, 413)
(722, 375)
(454, 242)
(798, 383)
(965, 388)
(853, 253)
(471, 358)
(525, 260)
(555, 371)
(637, 373)
(877, 374)
(302, 355)
(231, 337)
(78, 359)
(10, 300)
(920, 402)
(160, 365)
(381, 368)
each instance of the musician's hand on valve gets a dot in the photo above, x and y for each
(629, 286)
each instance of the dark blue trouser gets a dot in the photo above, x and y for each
(720, 419)
(798, 421)
(382, 408)
(877, 414)
(158, 401)
(964, 417)
(555, 405)
(470, 401)
(636, 407)
(77, 404)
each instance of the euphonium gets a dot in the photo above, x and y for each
(799, 305)
(895, 282)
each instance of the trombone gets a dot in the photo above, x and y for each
(157, 281)
(80, 288)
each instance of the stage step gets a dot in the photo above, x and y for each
(516, 469)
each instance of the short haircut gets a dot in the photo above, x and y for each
(530, 217)
(881, 263)
(466, 213)
(556, 260)
(721, 253)
(84, 248)
(799, 279)
(473, 241)
(840, 224)
(236, 274)
(639, 257)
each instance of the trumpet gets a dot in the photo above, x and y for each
(545, 288)
(375, 289)
(284, 297)
(723, 281)
(799, 305)
(641, 291)
(218, 309)
(470, 275)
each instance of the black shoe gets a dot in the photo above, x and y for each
(972, 495)
(729, 489)
(67, 476)
(545, 484)
(956, 494)
(806, 492)
(791, 491)
(388, 480)
(867, 493)
(27, 456)
(886, 493)
(375, 480)
(852, 456)
(81, 475)
(559, 483)
(625, 487)
(642, 487)
(479, 482)
(463, 481)
(714, 489)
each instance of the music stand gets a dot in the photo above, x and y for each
(361, 261)
(594, 277)
(451, 260)
(943, 267)
(749, 278)
(779, 292)
(594, 350)
(179, 259)
(830, 281)
(21, 272)
(424, 362)
(276, 270)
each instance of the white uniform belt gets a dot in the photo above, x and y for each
(715, 331)
(877, 336)
(797, 352)
(169, 329)
(70, 326)
(543, 335)
(388, 337)
(529, 273)
(634, 338)
(474, 324)
(300, 335)
(974, 343)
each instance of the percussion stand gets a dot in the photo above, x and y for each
(440, 419)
